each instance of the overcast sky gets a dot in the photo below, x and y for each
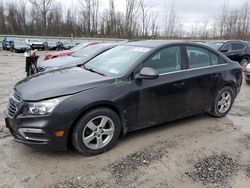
(189, 11)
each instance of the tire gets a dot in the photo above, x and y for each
(248, 81)
(222, 110)
(87, 127)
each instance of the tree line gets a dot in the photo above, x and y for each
(137, 20)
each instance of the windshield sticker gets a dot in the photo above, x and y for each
(141, 49)
(113, 71)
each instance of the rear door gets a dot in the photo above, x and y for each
(203, 77)
(234, 50)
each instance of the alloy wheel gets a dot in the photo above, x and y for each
(98, 132)
(224, 102)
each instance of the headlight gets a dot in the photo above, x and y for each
(41, 108)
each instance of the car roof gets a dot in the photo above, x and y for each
(160, 43)
(153, 43)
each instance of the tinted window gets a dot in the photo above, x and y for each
(165, 60)
(237, 46)
(226, 47)
(197, 57)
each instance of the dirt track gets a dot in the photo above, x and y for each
(200, 151)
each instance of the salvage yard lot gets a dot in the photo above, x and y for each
(200, 151)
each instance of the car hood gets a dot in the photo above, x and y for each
(40, 43)
(22, 46)
(60, 61)
(60, 83)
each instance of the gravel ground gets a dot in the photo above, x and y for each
(216, 169)
(199, 151)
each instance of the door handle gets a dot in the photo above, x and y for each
(179, 84)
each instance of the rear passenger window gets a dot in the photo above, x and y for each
(198, 57)
(165, 60)
(237, 46)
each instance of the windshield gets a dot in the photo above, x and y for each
(116, 61)
(90, 51)
(34, 40)
(214, 45)
(78, 47)
(19, 43)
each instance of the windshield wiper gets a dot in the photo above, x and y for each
(92, 70)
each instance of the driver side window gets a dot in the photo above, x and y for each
(165, 60)
(226, 48)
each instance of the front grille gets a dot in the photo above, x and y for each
(14, 100)
(12, 108)
(40, 69)
(17, 95)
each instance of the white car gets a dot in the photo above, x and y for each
(35, 44)
(247, 73)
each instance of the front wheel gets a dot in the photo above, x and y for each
(223, 102)
(96, 132)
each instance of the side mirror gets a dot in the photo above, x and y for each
(224, 50)
(147, 73)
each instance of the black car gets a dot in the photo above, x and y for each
(50, 45)
(7, 43)
(129, 87)
(19, 46)
(77, 58)
(66, 45)
(237, 51)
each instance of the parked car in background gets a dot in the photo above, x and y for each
(215, 44)
(129, 87)
(7, 43)
(52, 55)
(77, 58)
(19, 46)
(50, 45)
(237, 51)
(35, 44)
(247, 73)
(67, 45)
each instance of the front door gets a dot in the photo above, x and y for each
(162, 99)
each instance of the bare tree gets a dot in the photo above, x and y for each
(44, 7)
(171, 20)
(130, 17)
(144, 9)
(2, 18)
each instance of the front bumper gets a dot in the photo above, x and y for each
(36, 132)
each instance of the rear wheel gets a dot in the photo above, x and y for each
(96, 132)
(223, 102)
